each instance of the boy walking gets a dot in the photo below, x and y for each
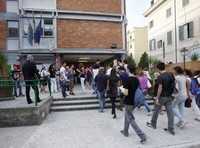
(130, 86)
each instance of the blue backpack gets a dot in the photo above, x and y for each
(139, 97)
(194, 87)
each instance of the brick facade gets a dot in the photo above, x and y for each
(104, 6)
(2, 5)
(88, 34)
(3, 36)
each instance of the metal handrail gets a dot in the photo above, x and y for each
(10, 84)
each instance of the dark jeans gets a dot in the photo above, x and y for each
(167, 102)
(113, 104)
(30, 84)
(64, 85)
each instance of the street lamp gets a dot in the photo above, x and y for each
(184, 52)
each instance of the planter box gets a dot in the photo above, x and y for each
(6, 90)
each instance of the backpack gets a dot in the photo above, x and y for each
(194, 87)
(88, 73)
(139, 97)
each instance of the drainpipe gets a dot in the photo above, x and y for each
(175, 32)
(124, 22)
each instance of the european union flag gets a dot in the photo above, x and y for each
(38, 33)
(30, 35)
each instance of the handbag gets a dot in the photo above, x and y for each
(188, 102)
(149, 84)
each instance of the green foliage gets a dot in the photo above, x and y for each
(130, 59)
(144, 60)
(3, 62)
(194, 57)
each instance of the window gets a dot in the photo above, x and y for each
(169, 37)
(159, 44)
(130, 46)
(151, 24)
(168, 12)
(152, 44)
(130, 37)
(185, 2)
(13, 29)
(186, 31)
(46, 26)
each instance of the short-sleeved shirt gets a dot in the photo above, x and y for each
(131, 83)
(167, 80)
(101, 81)
(15, 74)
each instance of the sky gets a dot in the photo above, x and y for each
(134, 12)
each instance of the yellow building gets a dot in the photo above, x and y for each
(137, 42)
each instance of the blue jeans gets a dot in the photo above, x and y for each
(145, 104)
(179, 103)
(64, 87)
(130, 119)
(101, 97)
(17, 84)
(94, 86)
(197, 99)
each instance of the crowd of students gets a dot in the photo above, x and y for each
(122, 81)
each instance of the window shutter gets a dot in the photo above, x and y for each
(191, 29)
(181, 33)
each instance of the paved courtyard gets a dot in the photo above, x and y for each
(91, 129)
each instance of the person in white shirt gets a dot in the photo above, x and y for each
(95, 71)
(179, 101)
(44, 75)
(63, 79)
(110, 65)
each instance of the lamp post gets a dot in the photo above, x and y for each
(184, 52)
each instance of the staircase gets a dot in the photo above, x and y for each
(81, 102)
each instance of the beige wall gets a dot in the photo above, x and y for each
(162, 25)
(139, 42)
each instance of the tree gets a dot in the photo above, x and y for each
(3, 63)
(144, 60)
(130, 59)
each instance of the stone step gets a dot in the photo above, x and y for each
(83, 105)
(78, 102)
(90, 97)
(77, 107)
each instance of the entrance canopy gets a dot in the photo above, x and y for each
(76, 55)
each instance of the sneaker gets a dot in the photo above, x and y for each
(151, 126)
(138, 109)
(143, 141)
(149, 113)
(124, 133)
(182, 125)
(197, 119)
(169, 131)
(178, 123)
(30, 102)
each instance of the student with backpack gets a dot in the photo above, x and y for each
(194, 106)
(195, 87)
(131, 84)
